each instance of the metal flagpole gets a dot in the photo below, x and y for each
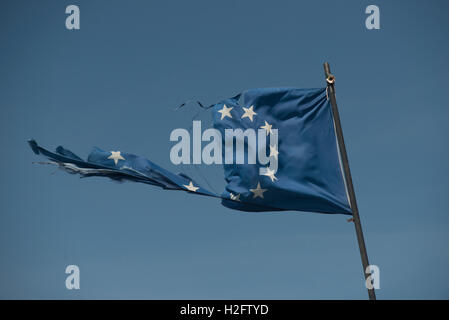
(330, 79)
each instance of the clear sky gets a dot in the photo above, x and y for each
(115, 83)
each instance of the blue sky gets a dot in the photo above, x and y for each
(114, 84)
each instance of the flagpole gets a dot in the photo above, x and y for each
(330, 79)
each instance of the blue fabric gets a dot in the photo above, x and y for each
(133, 168)
(308, 178)
(309, 175)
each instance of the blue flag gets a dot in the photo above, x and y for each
(278, 148)
(309, 174)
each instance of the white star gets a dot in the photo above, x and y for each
(225, 112)
(267, 128)
(116, 156)
(249, 113)
(258, 192)
(235, 197)
(270, 173)
(273, 151)
(191, 187)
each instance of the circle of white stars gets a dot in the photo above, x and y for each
(249, 113)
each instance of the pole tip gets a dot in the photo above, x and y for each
(327, 69)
